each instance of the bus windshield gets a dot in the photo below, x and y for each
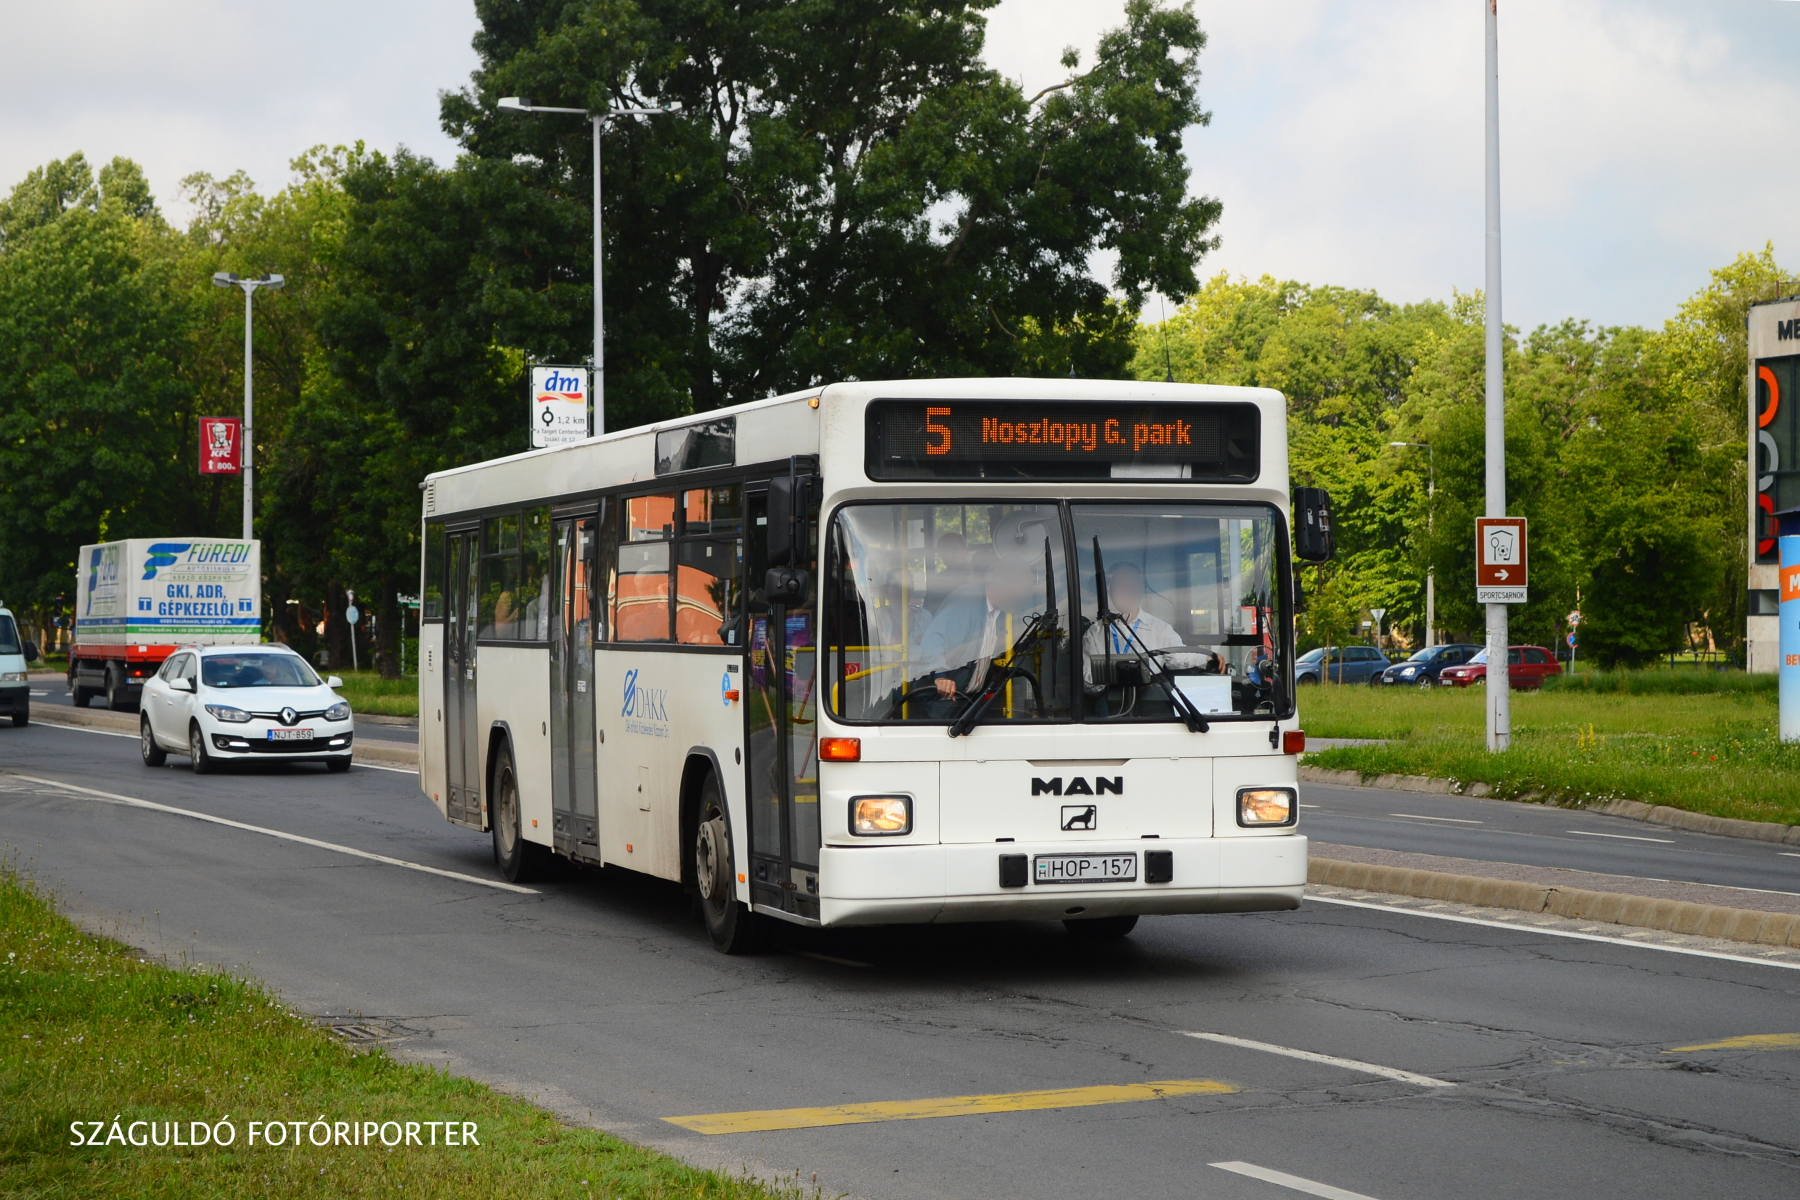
(931, 604)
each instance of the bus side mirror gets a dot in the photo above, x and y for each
(787, 511)
(786, 585)
(1312, 525)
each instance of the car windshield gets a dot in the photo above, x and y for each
(1312, 656)
(256, 670)
(1479, 659)
(1425, 655)
(927, 603)
(9, 636)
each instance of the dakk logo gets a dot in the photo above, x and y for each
(648, 704)
(163, 554)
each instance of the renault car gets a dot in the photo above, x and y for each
(224, 703)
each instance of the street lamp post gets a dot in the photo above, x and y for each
(519, 104)
(1430, 570)
(1499, 685)
(226, 279)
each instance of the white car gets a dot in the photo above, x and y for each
(217, 703)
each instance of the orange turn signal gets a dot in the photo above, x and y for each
(840, 749)
(1293, 741)
(732, 694)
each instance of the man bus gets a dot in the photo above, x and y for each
(747, 670)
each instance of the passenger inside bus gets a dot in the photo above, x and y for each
(977, 625)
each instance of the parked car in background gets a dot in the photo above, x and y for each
(1423, 668)
(1340, 664)
(1526, 667)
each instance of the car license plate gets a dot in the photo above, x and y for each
(290, 735)
(1085, 868)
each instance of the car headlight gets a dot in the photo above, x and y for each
(338, 712)
(1267, 806)
(12, 677)
(1409, 670)
(228, 714)
(880, 816)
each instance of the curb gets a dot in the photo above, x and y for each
(1635, 810)
(1616, 908)
(128, 723)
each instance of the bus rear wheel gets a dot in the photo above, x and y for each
(519, 861)
(1098, 929)
(734, 929)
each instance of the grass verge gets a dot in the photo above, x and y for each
(1716, 752)
(368, 692)
(91, 1031)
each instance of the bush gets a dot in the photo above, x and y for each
(1663, 683)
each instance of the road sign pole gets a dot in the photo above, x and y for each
(1788, 614)
(1499, 684)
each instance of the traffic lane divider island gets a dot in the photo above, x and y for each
(384, 754)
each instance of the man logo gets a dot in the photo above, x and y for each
(1079, 786)
(1080, 817)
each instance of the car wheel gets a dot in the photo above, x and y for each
(1100, 929)
(202, 762)
(1307, 681)
(338, 765)
(1426, 683)
(734, 929)
(519, 861)
(154, 755)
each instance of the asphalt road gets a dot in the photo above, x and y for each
(600, 996)
(55, 692)
(1540, 835)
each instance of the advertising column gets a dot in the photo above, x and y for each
(1774, 483)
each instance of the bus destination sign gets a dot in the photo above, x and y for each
(1002, 439)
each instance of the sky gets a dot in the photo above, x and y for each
(1642, 141)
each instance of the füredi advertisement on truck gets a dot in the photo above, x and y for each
(166, 591)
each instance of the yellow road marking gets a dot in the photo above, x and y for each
(946, 1106)
(1753, 1041)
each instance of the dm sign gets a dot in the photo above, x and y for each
(559, 405)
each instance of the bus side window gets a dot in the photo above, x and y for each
(708, 561)
(639, 597)
(433, 592)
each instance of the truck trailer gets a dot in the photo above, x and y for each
(137, 600)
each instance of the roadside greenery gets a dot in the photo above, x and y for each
(368, 692)
(91, 1030)
(1625, 448)
(1625, 737)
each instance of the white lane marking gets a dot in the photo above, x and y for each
(1290, 1181)
(1309, 806)
(134, 737)
(1457, 820)
(1349, 1064)
(1562, 933)
(133, 802)
(1787, 854)
(1624, 837)
(85, 729)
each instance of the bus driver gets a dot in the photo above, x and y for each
(1125, 595)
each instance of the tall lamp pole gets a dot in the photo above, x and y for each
(250, 283)
(598, 119)
(1499, 682)
(1430, 570)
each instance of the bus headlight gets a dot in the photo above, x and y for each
(880, 816)
(1266, 806)
(228, 714)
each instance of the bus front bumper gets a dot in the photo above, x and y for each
(888, 885)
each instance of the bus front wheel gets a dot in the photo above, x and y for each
(734, 929)
(519, 861)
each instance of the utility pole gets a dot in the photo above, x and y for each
(225, 279)
(1499, 682)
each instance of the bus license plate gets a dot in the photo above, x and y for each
(1085, 868)
(290, 735)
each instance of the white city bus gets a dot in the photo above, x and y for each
(975, 649)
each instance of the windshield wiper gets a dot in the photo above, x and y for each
(1159, 674)
(1042, 629)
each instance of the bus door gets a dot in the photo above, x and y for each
(781, 710)
(573, 783)
(462, 758)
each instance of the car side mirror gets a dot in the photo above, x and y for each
(31, 652)
(334, 682)
(181, 684)
(1312, 525)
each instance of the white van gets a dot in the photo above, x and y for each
(15, 657)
